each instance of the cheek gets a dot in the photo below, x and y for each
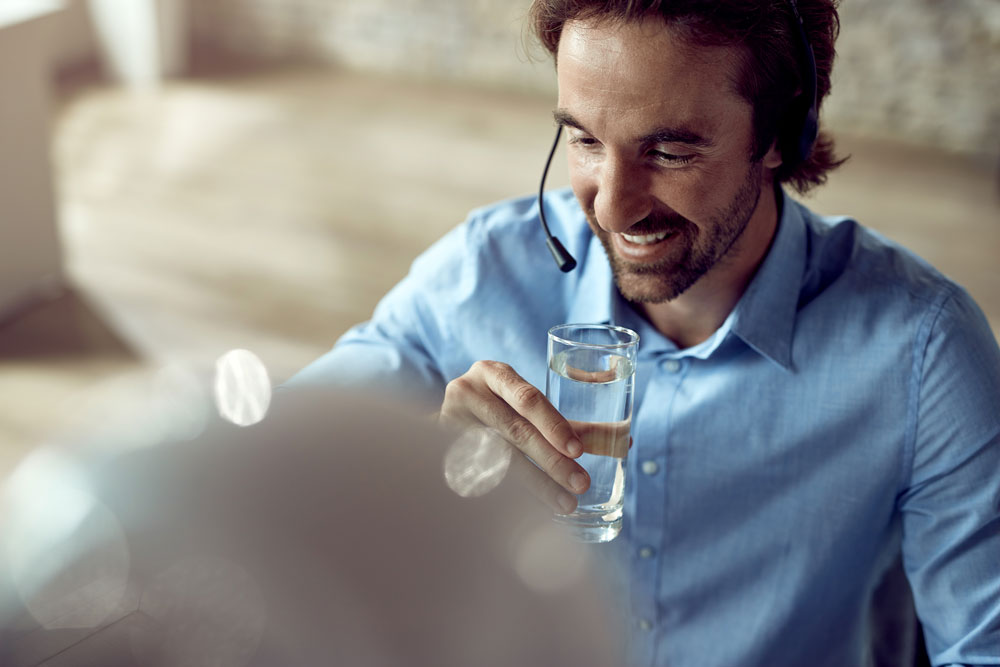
(694, 194)
(583, 180)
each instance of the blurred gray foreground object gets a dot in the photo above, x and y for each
(327, 534)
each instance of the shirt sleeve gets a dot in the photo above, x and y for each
(951, 506)
(378, 356)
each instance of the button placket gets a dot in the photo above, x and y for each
(661, 391)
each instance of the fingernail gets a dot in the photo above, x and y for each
(575, 448)
(578, 481)
(567, 503)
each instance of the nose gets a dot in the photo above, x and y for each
(622, 197)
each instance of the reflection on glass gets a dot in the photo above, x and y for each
(476, 462)
(242, 387)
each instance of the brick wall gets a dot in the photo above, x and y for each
(921, 70)
(461, 40)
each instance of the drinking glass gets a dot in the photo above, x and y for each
(590, 382)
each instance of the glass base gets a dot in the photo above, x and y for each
(587, 527)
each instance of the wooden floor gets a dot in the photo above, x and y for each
(270, 210)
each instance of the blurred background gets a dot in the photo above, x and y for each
(182, 178)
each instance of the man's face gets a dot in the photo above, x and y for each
(659, 152)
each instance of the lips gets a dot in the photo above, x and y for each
(647, 239)
(644, 248)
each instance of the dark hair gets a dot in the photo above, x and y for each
(771, 72)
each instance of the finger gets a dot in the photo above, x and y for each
(471, 397)
(459, 395)
(541, 485)
(529, 402)
(524, 436)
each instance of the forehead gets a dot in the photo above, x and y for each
(635, 71)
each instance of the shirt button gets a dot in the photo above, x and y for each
(671, 365)
(645, 625)
(646, 552)
(650, 467)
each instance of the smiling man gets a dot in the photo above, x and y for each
(662, 162)
(814, 404)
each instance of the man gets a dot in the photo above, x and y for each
(811, 398)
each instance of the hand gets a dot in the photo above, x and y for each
(494, 395)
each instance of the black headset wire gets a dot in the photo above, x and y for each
(563, 259)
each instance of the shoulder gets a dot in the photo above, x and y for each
(502, 245)
(495, 264)
(871, 292)
(873, 274)
(841, 248)
(513, 223)
(486, 288)
(897, 321)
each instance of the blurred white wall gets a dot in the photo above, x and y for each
(72, 42)
(30, 252)
(136, 42)
(141, 41)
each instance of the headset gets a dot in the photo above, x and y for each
(798, 150)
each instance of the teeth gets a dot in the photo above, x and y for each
(646, 239)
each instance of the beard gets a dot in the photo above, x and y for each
(697, 249)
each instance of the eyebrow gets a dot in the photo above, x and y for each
(663, 135)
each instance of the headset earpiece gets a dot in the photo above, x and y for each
(807, 139)
(806, 105)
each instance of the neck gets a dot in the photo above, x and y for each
(696, 314)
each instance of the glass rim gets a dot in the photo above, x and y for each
(634, 342)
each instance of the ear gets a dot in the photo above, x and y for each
(772, 158)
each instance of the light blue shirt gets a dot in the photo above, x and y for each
(849, 405)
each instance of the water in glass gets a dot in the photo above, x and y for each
(592, 388)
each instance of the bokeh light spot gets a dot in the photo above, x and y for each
(547, 561)
(242, 387)
(64, 551)
(476, 462)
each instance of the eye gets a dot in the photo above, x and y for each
(582, 139)
(670, 158)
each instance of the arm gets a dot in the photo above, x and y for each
(425, 345)
(951, 508)
(387, 354)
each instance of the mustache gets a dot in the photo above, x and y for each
(653, 223)
(656, 223)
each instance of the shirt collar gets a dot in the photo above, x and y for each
(764, 317)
